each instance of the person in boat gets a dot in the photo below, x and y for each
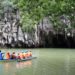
(18, 56)
(7, 55)
(29, 54)
(21, 55)
(1, 55)
(24, 55)
(13, 55)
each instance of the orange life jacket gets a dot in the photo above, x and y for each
(29, 54)
(24, 55)
(21, 55)
(8, 55)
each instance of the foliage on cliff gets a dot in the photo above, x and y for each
(31, 11)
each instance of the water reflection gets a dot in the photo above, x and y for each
(18, 65)
(10, 68)
(21, 65)
(7, 66)
(48, 63)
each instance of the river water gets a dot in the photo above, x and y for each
(48, 62)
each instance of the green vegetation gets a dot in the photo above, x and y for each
(31, 11)
(34, 10)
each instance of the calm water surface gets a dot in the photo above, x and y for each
(48, 62)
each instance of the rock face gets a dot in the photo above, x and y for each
(45, 32)
(47, 36)
(11, 34)
(10, 31)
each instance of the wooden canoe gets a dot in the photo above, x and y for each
(17, 60)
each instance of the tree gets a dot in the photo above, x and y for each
(34, 10)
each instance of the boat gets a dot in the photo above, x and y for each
(17, 60)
